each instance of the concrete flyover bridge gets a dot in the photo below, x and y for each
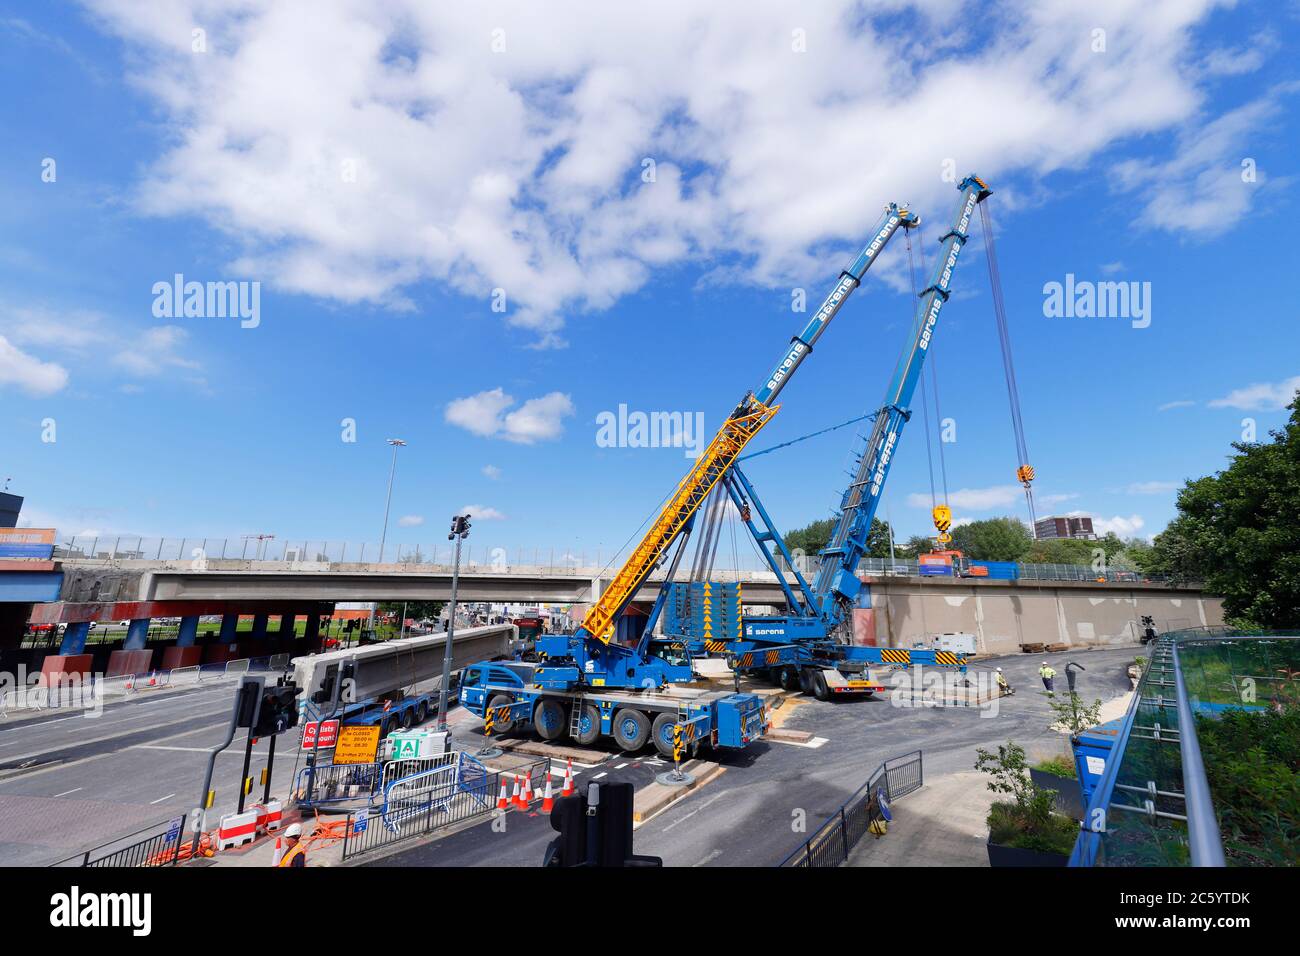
(899, 609)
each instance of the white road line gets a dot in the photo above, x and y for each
(66, 792)
(161, 799)
(599, 775)
(620, 766)
(683, 819)
(710, 858)
(814, 743)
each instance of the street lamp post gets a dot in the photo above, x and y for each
(388, 501)
(459, 531)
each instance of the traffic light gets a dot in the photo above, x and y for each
(278, 711)
(595, 829)
(341, 673)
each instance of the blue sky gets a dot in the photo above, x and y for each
(521, 169)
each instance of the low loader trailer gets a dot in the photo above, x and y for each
(672, 716)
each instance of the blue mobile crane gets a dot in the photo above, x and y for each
(591, 685)
(809, 646)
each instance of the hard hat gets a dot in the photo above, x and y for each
(1044, 663)
(999, 670)
(293, 830)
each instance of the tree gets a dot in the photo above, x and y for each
(813, 537)
(415, 610)
(993, 539)
(917, 544)
(1233, 531)
(1062, 551)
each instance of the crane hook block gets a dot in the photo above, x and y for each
(1026, 474)
(942, 515)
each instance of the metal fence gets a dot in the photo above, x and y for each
(196, 553)
(449, 802)
(832, 842)
(157, 849)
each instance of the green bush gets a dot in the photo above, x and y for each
(1027, 821)
(1061, 766)
(1252, 762)
(1008, 827)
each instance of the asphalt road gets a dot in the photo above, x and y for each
(747, 816)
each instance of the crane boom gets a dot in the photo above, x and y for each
(836, 581)
(754, 411)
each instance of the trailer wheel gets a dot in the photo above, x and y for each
(805, 682)
(788, 678)
(818, 683)
(588, 725)
(549, 718)
(631, 729)
(408, 718)
(421, 712)
(502, 726)
(662, 734)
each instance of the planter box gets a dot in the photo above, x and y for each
(1069, 799)
(1013, 856)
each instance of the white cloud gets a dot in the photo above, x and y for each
(523, 169)
(156, 351)
(485, 413)
(1110, 268)
(1181, 403)
(1262, 396)
(1124, 527)
(410, 521)
(1152, 487)
(492, 472)
(27, 372)
(1247, 58)
(975, 499)
(482, 513)
(1202, 188)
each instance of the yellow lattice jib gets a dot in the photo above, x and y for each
(726, 446)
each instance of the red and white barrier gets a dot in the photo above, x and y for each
(236, 829)
(270, 816)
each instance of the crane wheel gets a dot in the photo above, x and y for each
(631, 729)
(788, 678)
(662, 734)
(588, 725)
(818, 684)
(502, 726)
(550, 719)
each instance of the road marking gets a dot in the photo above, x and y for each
(706, 803)
(709, 859)
(161, 799)
(620, 766)
(814, 743)
(599, 775)
(66, 792)
(197, 750)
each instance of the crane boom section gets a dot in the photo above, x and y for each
(754, 411)
(836, 580)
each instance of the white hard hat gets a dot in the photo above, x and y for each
(293, 830)
(1044, 663)
(999, 670)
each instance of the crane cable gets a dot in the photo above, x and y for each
(1024, 471)
(942, 514)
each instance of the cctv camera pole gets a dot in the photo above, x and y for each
(459, 531)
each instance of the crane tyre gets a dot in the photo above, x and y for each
(550, 719)
(662, 734)
(502, 726)
(588, 725)
(631, 729)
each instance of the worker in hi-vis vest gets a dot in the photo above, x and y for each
(1047, 674)
(295, 853)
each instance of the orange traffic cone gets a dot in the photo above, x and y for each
(503, 801)
(548, 798)
(568, 781)
(279, 852)
(528, 791)
(514, 795)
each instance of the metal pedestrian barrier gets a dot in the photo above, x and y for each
(832, 842)
(157, 849)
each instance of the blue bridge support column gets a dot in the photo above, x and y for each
(188, 630)
(74, 638)
(229, 627)
(137, 635)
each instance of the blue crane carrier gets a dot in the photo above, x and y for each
(588, 685)
(810, 645)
